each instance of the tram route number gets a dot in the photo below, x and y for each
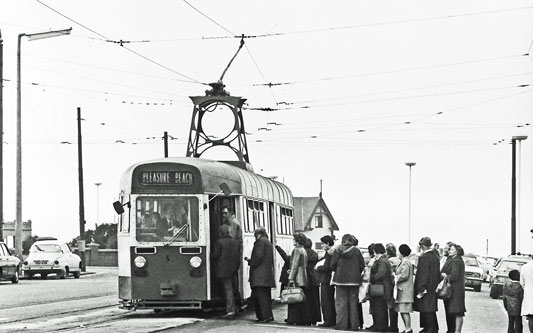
(166, 178)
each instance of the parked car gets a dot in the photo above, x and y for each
(500, 275)
(9, 265)
(473, 272)
(51, 256)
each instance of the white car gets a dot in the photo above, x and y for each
(51, 257)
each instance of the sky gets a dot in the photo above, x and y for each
(354, 90)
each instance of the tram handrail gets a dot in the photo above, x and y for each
(180, 231)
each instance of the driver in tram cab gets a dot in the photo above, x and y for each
(171, 223)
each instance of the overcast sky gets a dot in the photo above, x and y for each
(358, 88)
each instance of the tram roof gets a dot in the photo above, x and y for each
(213, 173)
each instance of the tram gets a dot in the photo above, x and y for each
(160, 268)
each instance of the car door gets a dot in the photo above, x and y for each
(7, 262)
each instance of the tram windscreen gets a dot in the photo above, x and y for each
(159, 219)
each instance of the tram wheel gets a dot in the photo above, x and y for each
(43, 276)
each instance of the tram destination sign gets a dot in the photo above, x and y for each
(166, 178)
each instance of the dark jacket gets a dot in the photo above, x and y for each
(324, 271)
(312, 259)
(381, 273)
(426, 279)
(262, 264)
(284, 275)
(225, 256)
(347, 265)
(513, 294)
(454, 268)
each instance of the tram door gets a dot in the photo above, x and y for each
(215, 221)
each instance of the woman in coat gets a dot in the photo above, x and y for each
(313, 285)
(454, 269)
(381, 274)
(299, 313)
(347, 262)
(403, 304)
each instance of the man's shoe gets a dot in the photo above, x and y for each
(267, 320)
(326, 325)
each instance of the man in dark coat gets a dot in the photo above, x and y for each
(426, 281)
(327, 291)
(262, 275)
(235, 231)
(226, 261)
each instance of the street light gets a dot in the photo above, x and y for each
(97, 202)
(514, 221)
(410, 165)
(18, 224)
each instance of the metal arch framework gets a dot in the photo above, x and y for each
(199, 141)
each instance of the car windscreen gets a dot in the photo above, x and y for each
(49, 248)
(469, 261)
(507, 266)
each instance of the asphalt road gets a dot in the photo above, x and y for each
(91, 304)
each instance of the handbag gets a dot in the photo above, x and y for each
(292, 295)
(444, 289)
(377, 290)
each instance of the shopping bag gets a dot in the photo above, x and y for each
(377, 290)
(363, 292)
(444, 289)
(292, 295)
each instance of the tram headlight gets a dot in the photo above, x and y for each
(139, 262)
(195, 262)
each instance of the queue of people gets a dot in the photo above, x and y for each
(394, 284)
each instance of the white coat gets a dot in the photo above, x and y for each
(526, 280)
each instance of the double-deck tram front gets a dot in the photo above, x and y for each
(172, 214)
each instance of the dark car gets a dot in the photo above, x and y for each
(9, 265)
(500, 275)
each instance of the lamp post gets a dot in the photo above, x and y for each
(514, 221)
(410, 165)
(18, 224)
(97, 202)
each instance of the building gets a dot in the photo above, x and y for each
(9, 232)
(313, 218)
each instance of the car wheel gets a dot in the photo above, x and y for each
(77, 274)
(477, 288)
(62, 274)
(15, 278)
(43, 276)
(30, 276)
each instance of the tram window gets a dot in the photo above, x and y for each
(279, 225)
(250, 217)
(160, 219)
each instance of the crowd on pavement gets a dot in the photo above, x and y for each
(395, 283)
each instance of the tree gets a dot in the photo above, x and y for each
(105, 235)
(27, 243)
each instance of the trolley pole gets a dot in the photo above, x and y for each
(81, 241)
(165, 143)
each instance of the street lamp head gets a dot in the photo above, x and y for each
(410, 164)
(519, 137)
(47, 34)
(97, 184)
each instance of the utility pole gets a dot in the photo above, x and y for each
(81, 241)
(165, 143)
(1, 138)
(513, 198)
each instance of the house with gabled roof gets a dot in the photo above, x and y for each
(313, 218)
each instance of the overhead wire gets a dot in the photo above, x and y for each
(128, 49)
